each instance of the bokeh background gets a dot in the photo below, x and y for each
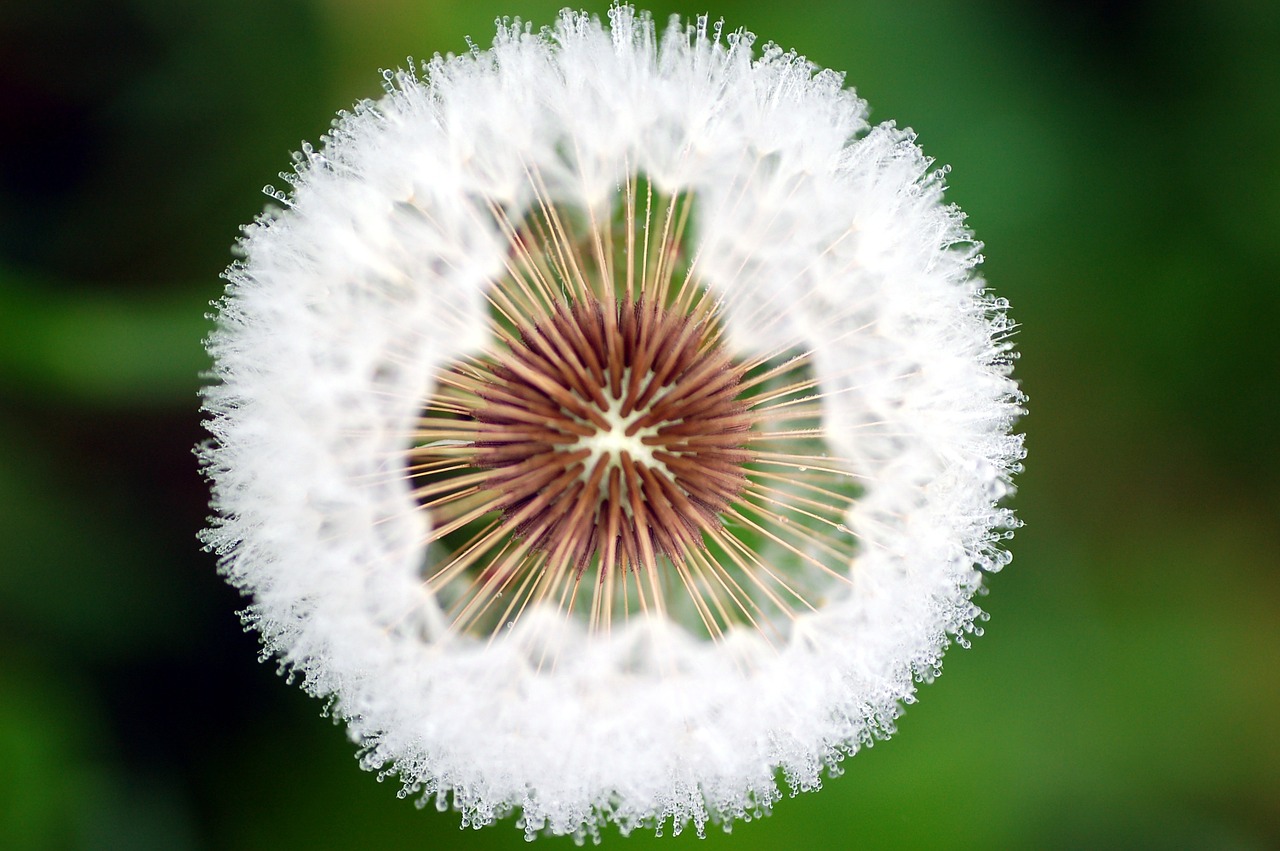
(1119, 159)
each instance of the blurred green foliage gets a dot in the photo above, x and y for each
(1120, 162)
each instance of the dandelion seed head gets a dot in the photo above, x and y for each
(610, 423)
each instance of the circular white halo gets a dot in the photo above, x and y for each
(811, 231)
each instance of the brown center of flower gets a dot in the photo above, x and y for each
(606, 456)
(613, 432)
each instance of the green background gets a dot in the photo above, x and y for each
(1120, 161)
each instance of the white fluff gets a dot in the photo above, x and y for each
(813, 229)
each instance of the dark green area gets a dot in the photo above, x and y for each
(1118, 160)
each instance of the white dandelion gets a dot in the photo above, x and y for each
(611, 426)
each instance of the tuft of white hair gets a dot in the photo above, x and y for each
(812, 231)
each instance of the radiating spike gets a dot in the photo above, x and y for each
(608, 431)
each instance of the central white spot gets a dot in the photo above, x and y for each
(609, 445)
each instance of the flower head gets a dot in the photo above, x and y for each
(611, 421)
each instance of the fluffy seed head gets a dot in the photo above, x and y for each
(611, 421)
